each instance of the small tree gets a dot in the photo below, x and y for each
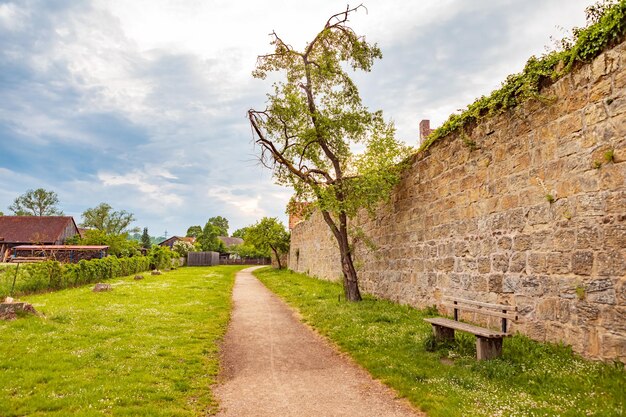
(268, 235)
(37, 202)
(146, 242)
(104, 218)
(312, 122)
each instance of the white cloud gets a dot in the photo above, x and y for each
(152, 187)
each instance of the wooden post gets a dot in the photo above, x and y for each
(488, 348)
(443, 334)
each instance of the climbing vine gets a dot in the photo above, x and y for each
(606, 26)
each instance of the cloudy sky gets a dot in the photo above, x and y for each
(142, 103)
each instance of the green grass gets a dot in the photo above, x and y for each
(147, 348)
(389, 340)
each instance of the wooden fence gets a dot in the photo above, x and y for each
(203, 258)
(255, 261)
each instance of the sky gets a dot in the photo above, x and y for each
(142, 103)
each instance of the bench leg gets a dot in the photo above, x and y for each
(443, 334)
(488, 348)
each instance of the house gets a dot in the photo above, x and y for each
(170, 241)
(230, 241)
(34, 230)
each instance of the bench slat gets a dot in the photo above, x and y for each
(482, 311)
(457, 325)
(482, 304)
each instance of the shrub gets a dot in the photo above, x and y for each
(52, 275)
(160, 257)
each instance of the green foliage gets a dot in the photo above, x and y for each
(119, 244)
(609, 156)
(267, 236)
(315, 117)
(146, 242)
(249, 252)
(161, 257)
(104, 218)
(53, 276)
(209, 238)
(37, 202)
(389, 340)
(221, 223)
(147, 349)
(606, 26)
(194, 231)
(240, 233)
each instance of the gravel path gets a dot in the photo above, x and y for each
(273, 365)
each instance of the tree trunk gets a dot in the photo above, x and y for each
(350, 279)
(277, 257)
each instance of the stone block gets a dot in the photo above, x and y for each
(611, 263)
(602, 297)
(613, 346)
(564, 239)
(558, 263)
(582, 262)
(586, 313)
(612, 176)
(522, 242)
(499, 262)
(600, 91)
(484, 265)
(570, 123)
(495, 283)
(539, 214)
(594, 113)
(530, 285)
(588, 237)
(100, 287)
(563, 310)
(537, 262)
(517, 262)
(546, 309)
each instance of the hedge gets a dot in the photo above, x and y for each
(52, 275)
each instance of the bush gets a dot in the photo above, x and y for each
(52, 275)
(161, 257)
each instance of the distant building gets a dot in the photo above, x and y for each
(34, 230)
(425, 130)
(169, 242)
(230, 241)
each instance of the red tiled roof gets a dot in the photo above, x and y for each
(33, 229)
(174, 239)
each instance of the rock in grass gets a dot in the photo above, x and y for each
(102, 287)
(10, 310)
(156, 272)
(138, 277)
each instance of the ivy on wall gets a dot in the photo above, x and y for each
(606, 26)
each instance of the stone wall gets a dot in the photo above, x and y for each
(529, 209)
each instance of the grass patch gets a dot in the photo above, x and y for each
(147, 348)
(391, 341)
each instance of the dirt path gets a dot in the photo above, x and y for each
(273, 365)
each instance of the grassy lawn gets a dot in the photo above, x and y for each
(147, 348)
(389, 340)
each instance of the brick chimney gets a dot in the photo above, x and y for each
(425, 130)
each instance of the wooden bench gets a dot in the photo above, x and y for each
(488, 342)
